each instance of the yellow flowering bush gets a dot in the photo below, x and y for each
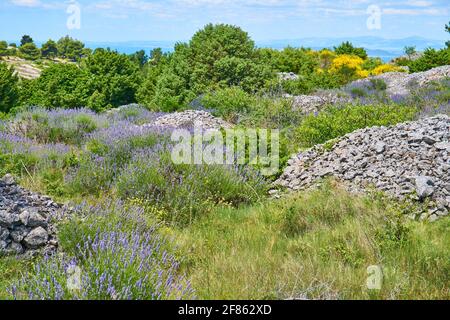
(348, 67)
(386, 68)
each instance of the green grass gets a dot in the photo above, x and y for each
(11, 269)
(316, 245)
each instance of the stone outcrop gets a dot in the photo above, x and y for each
(407, 161)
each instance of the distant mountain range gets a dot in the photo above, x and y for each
(386, 49)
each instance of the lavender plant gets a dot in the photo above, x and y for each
(185, 192)
(106, 264)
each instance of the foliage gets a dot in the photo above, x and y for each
(386, 68)
(9, 90)
(70, 48)
(410, 51)
(347, 48)
(335, 122)
(217, 56)
(49, 49)
(3, 48)
(184, 193)
(348, 68)
(228, 102)
(113, 79)
(29, 51)
(431, 58)
(60, 85)
(25, 40)
(133, 263)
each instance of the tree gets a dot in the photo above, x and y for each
(156, 55)
(217, 56)
(113, 76)
(70, 48)
(9, 90)
(29, 51)
(26, 39)
(348, 48)
(410, 51)
(139, 57)
(3, 48)
(447, 28)
(60, 85)
(49, 49)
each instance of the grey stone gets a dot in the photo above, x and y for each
(443, 146)
(380, 147)
(424, 187)
(14, 248)
(38, 237)
(9, 220)
(31, 218)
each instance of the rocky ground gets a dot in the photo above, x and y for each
(407, 161)
(189, 118)
(23, 68)
(398, 84)
(25, 220)
(401, 83)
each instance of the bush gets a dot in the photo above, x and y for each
(29, 51)
(184, 193)
(59, 86)
(9, 89)
(53, 126)
(347, 48)
(228, 102)
(431, 58)
(113, 78)
(106, 264)
(335, 122)
(217, 56)
(348, 68)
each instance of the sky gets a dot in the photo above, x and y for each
(177, 20)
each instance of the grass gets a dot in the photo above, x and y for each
(11, 269)
(316, 245)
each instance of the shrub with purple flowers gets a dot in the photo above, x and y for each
(185, 192)
(58, 125)
(111, 258)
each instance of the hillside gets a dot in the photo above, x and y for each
(223, 170)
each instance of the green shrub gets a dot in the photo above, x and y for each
(228, 102)
(431, 58)
(335, 122)
(186, 192)
(9, 89)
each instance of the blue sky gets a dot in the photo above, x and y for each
(125, 20)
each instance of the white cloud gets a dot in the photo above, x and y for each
(26, 3)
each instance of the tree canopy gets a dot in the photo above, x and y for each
(348, 48)
(9, 90)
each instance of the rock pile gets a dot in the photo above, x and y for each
(188, 118)
(25, 220)
(314, 103)
(287, 76)
(407, 161)
(401, 83)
